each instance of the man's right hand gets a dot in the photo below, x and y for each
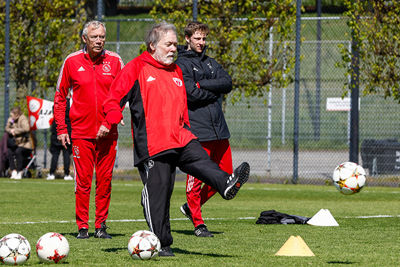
(64, 139)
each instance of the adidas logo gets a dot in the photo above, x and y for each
(151, 79)
(230, 178)
(81, 69)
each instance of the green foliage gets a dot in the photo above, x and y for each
(239, 37)
(375, 29)
(42, 33)
(337, 3)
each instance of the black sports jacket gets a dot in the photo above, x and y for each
(206, 82)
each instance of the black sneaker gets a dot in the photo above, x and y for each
(186, 211)
(83, 234)
(202, 231)
(236, 180)
(166, 252)
(101, 232)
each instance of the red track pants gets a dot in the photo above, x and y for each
(219, 152)
(88, 155)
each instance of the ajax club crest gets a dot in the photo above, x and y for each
(106, 67)
(178, 81)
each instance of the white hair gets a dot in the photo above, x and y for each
(95, 24)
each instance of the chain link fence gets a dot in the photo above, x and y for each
(262, 128)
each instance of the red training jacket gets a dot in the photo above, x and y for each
(89, 83)
(157, 99)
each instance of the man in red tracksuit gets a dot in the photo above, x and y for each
(88, 75)
(206, 83)
(153, 86)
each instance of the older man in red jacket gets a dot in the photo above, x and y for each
(153, 86)
(87, 74)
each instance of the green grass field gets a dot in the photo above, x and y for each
(33, 207)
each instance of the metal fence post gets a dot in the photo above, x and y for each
(318, 75)
(296, 95)
(283, 132)
(118, 35)
(271, 43)
(354, 114)
(194, 10)
(100, 10)
(7, 64)
(349, 112)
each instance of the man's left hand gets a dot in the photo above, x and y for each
(103, 131)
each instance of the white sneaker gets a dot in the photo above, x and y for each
(19, 176)
(68, 178)
(13, 174)
(50, 177)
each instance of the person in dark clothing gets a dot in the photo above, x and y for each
(4, 163)
(153, 86)
(206, 84)
(56, 148)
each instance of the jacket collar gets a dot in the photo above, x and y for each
(182, 51)
(87, 56)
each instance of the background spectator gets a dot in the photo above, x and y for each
(56, 147)
(19, 143)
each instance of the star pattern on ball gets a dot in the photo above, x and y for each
(38, 245)
(137, 251)
(56, 257)
(57, 235)
(153, 250)
(144, 234)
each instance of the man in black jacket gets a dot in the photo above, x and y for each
(206, 82)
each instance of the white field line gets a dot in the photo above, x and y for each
(210, 219)
(183, 219)
(245, 188)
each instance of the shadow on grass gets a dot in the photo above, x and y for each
(191, 232)
(114, 249)
(340, 262)
(91, 235)
(176, 251)
(184, 251)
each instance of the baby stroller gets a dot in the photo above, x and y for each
(32, 169)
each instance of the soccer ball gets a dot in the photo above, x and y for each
(349, 178)
(52, 247)
(144, 245)
(14, 249)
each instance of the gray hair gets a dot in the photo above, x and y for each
(154, 35)
(95, 24)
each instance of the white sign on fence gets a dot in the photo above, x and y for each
(339, 104)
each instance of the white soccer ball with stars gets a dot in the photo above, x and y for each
(349, 178)
(52, 248)
(14, 249)
(143, 245)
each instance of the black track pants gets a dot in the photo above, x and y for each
(158, 177)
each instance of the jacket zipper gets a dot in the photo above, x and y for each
(95, 95)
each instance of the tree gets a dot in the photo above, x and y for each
(239, 38)
(375, 27)
(42, 33)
